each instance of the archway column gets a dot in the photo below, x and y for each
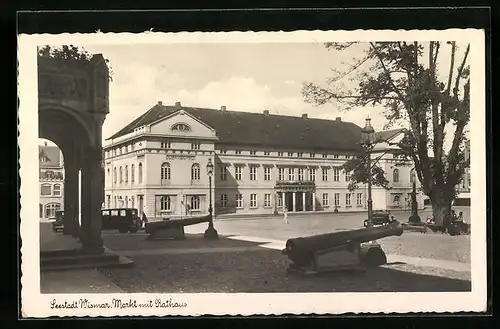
(70, 199)
(92, 198)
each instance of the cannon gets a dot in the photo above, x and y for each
(172, 229)
(346, 250)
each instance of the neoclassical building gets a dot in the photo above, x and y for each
(262, 162)
(51, 180)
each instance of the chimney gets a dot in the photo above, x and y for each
(266, 112)
(338, 119)
(177, 104)
(223, 108)
(160, 103)
(304, 116)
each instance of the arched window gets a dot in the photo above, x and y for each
(46, 189)
(165, 171)
(165, 203)
(195, 172)
(114, 175)
(121, 174)
(50, 209)
(140, 173)
(132, 174)
(395, 175)
(57, 190)
(126, 174)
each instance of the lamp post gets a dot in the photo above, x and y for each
(368, 141)
(210, 232)
(414, 217)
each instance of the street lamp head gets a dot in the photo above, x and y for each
(368, 133)
(210, 167)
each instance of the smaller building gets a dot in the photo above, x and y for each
(51, 181)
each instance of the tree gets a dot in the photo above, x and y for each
(404, 78)
(70, 52)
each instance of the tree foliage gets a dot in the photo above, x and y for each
(404, 78)
(69, 52)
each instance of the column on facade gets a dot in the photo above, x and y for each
(303, 201)
(313, 201)
(70, 198)
(92, 198)
(283, 200)
(294, 201)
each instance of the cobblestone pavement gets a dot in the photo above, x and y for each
(229, 265)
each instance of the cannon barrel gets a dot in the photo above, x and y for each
(301, 249)
(153, 226)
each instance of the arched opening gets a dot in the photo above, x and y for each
(51, 179)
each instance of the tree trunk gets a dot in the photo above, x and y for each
(441, 211)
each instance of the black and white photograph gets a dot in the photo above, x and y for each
(267, 167)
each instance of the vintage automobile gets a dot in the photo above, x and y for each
(122, 219)
(57, 225)
(380, 217)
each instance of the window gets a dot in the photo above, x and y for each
(108, 174)
(348, 200)
(301, 174)
(325, 174)
(223, 172)
(166, 145)
(195, 145)
(335, 156)
(253, 200)
(57, 190)
(223, 151)
(126, 174)
(336, 175)
(132, 202)
(325, 200)
(195, 172)
(347, 176)
(114, 201)
(238, 170)
(359, 199)
(324, 156)
(50, 209)
(280, 201)
(312, 155)
(108, 201)
(280, 154)
(347, 157)
(132, 174)
(239, 200)
(267, 153)
(395, 175)
(46, 189)
(238, 152)
(396, 200)
(126, 201)
(299, 155)
(253, 173)
(290, 154)
(312, 174)
(114, 175)
(165, 203)
(267, 200)
(267, 173)
(291, 174)
(281, 174)
(195, 202)
(336, 199)
(223, 200)
(140, 173)
(165, 171)
(121, 175)
(253, 152)
(132, 147)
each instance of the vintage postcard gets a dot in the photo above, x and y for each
(252, 173)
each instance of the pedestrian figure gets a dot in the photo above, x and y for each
(285, 214)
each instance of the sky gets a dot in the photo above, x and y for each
(242, 77)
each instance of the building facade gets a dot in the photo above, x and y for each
(51, 181)
(262, 163)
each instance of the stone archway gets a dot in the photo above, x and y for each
(72, 106)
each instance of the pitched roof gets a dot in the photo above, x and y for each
(49, 156)
(387, 135)
(244, 128)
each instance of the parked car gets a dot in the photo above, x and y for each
(122, 219)
(57, 225)
(380, 217)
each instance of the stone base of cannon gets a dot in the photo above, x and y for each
(167, 233)
(173, 229)
(349, 257)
